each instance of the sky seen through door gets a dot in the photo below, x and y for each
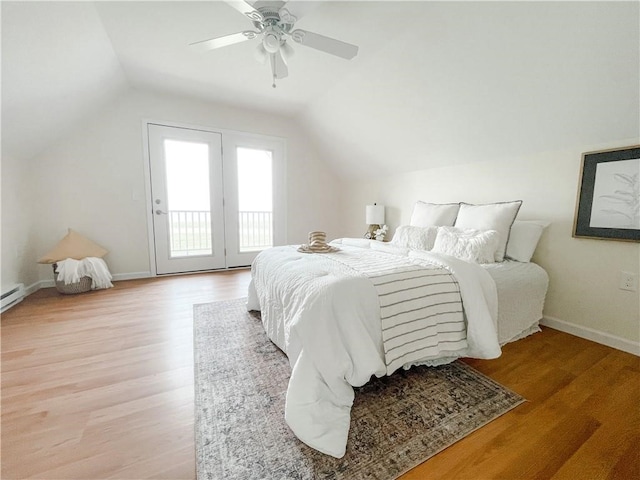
(187, 167)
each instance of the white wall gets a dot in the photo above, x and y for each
(58, 66)
(584, 273)
(93, 180)
(477, 81)
(18, 232)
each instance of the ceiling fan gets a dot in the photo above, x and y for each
(274, 24)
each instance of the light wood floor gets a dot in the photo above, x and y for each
(100, 385)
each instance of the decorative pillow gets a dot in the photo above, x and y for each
(524, 239)
(471, 245)
(492, 216)
(434, 214)
(75, 246)
(416, 238)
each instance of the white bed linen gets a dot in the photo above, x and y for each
(522, 288)
(333, 342)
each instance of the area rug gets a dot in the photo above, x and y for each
(397, 422)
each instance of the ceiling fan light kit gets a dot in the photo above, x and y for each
(271, 41)
(276, 27)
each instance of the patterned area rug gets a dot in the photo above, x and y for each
(397, 422)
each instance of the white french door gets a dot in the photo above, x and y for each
(212, 210)
(254, 203)
(187, 198)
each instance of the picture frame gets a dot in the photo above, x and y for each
(608, 204)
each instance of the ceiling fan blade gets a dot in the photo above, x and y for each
(325, 44)
(224, 40)
(278, 67)
(246, 9)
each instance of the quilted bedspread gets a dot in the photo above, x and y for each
(366, 309)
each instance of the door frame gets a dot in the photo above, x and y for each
(279, 183)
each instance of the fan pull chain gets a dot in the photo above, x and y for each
(274, 81)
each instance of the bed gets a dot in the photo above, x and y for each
(368, 308)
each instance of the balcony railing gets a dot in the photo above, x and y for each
(190, 232)
(255, 231)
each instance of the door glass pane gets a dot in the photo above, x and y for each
(255, 199)
(188, 198)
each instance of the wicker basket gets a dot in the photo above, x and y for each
(84, 285)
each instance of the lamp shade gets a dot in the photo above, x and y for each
(375, 214)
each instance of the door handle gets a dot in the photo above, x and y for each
(160, 212)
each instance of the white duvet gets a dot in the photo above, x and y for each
(326, 317)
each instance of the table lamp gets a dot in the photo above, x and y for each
(374, 218)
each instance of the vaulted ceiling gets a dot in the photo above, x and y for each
(433, 83)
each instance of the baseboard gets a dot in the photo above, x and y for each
(597, 336)
(34, 287)
(131, 276)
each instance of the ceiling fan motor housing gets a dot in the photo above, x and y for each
(274, 27)
(271, 17)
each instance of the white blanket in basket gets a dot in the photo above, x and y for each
(71, 271)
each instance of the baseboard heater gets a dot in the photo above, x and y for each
(11, 296)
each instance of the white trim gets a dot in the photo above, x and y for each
(148, 200)
(223, 131)
(34, 287)
(117, 277)
(597, 336)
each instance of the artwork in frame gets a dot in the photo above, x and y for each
(608, 205)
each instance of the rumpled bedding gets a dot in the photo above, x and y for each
(71, 271)
(326, 317)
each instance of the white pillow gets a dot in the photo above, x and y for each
(492, 216)
(434, 214)
(416, 238)
(470, 245)
(524, 238)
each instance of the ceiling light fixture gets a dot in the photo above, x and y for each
(271, 40)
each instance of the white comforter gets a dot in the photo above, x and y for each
(326, 318)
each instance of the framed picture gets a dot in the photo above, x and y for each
(608, 205)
